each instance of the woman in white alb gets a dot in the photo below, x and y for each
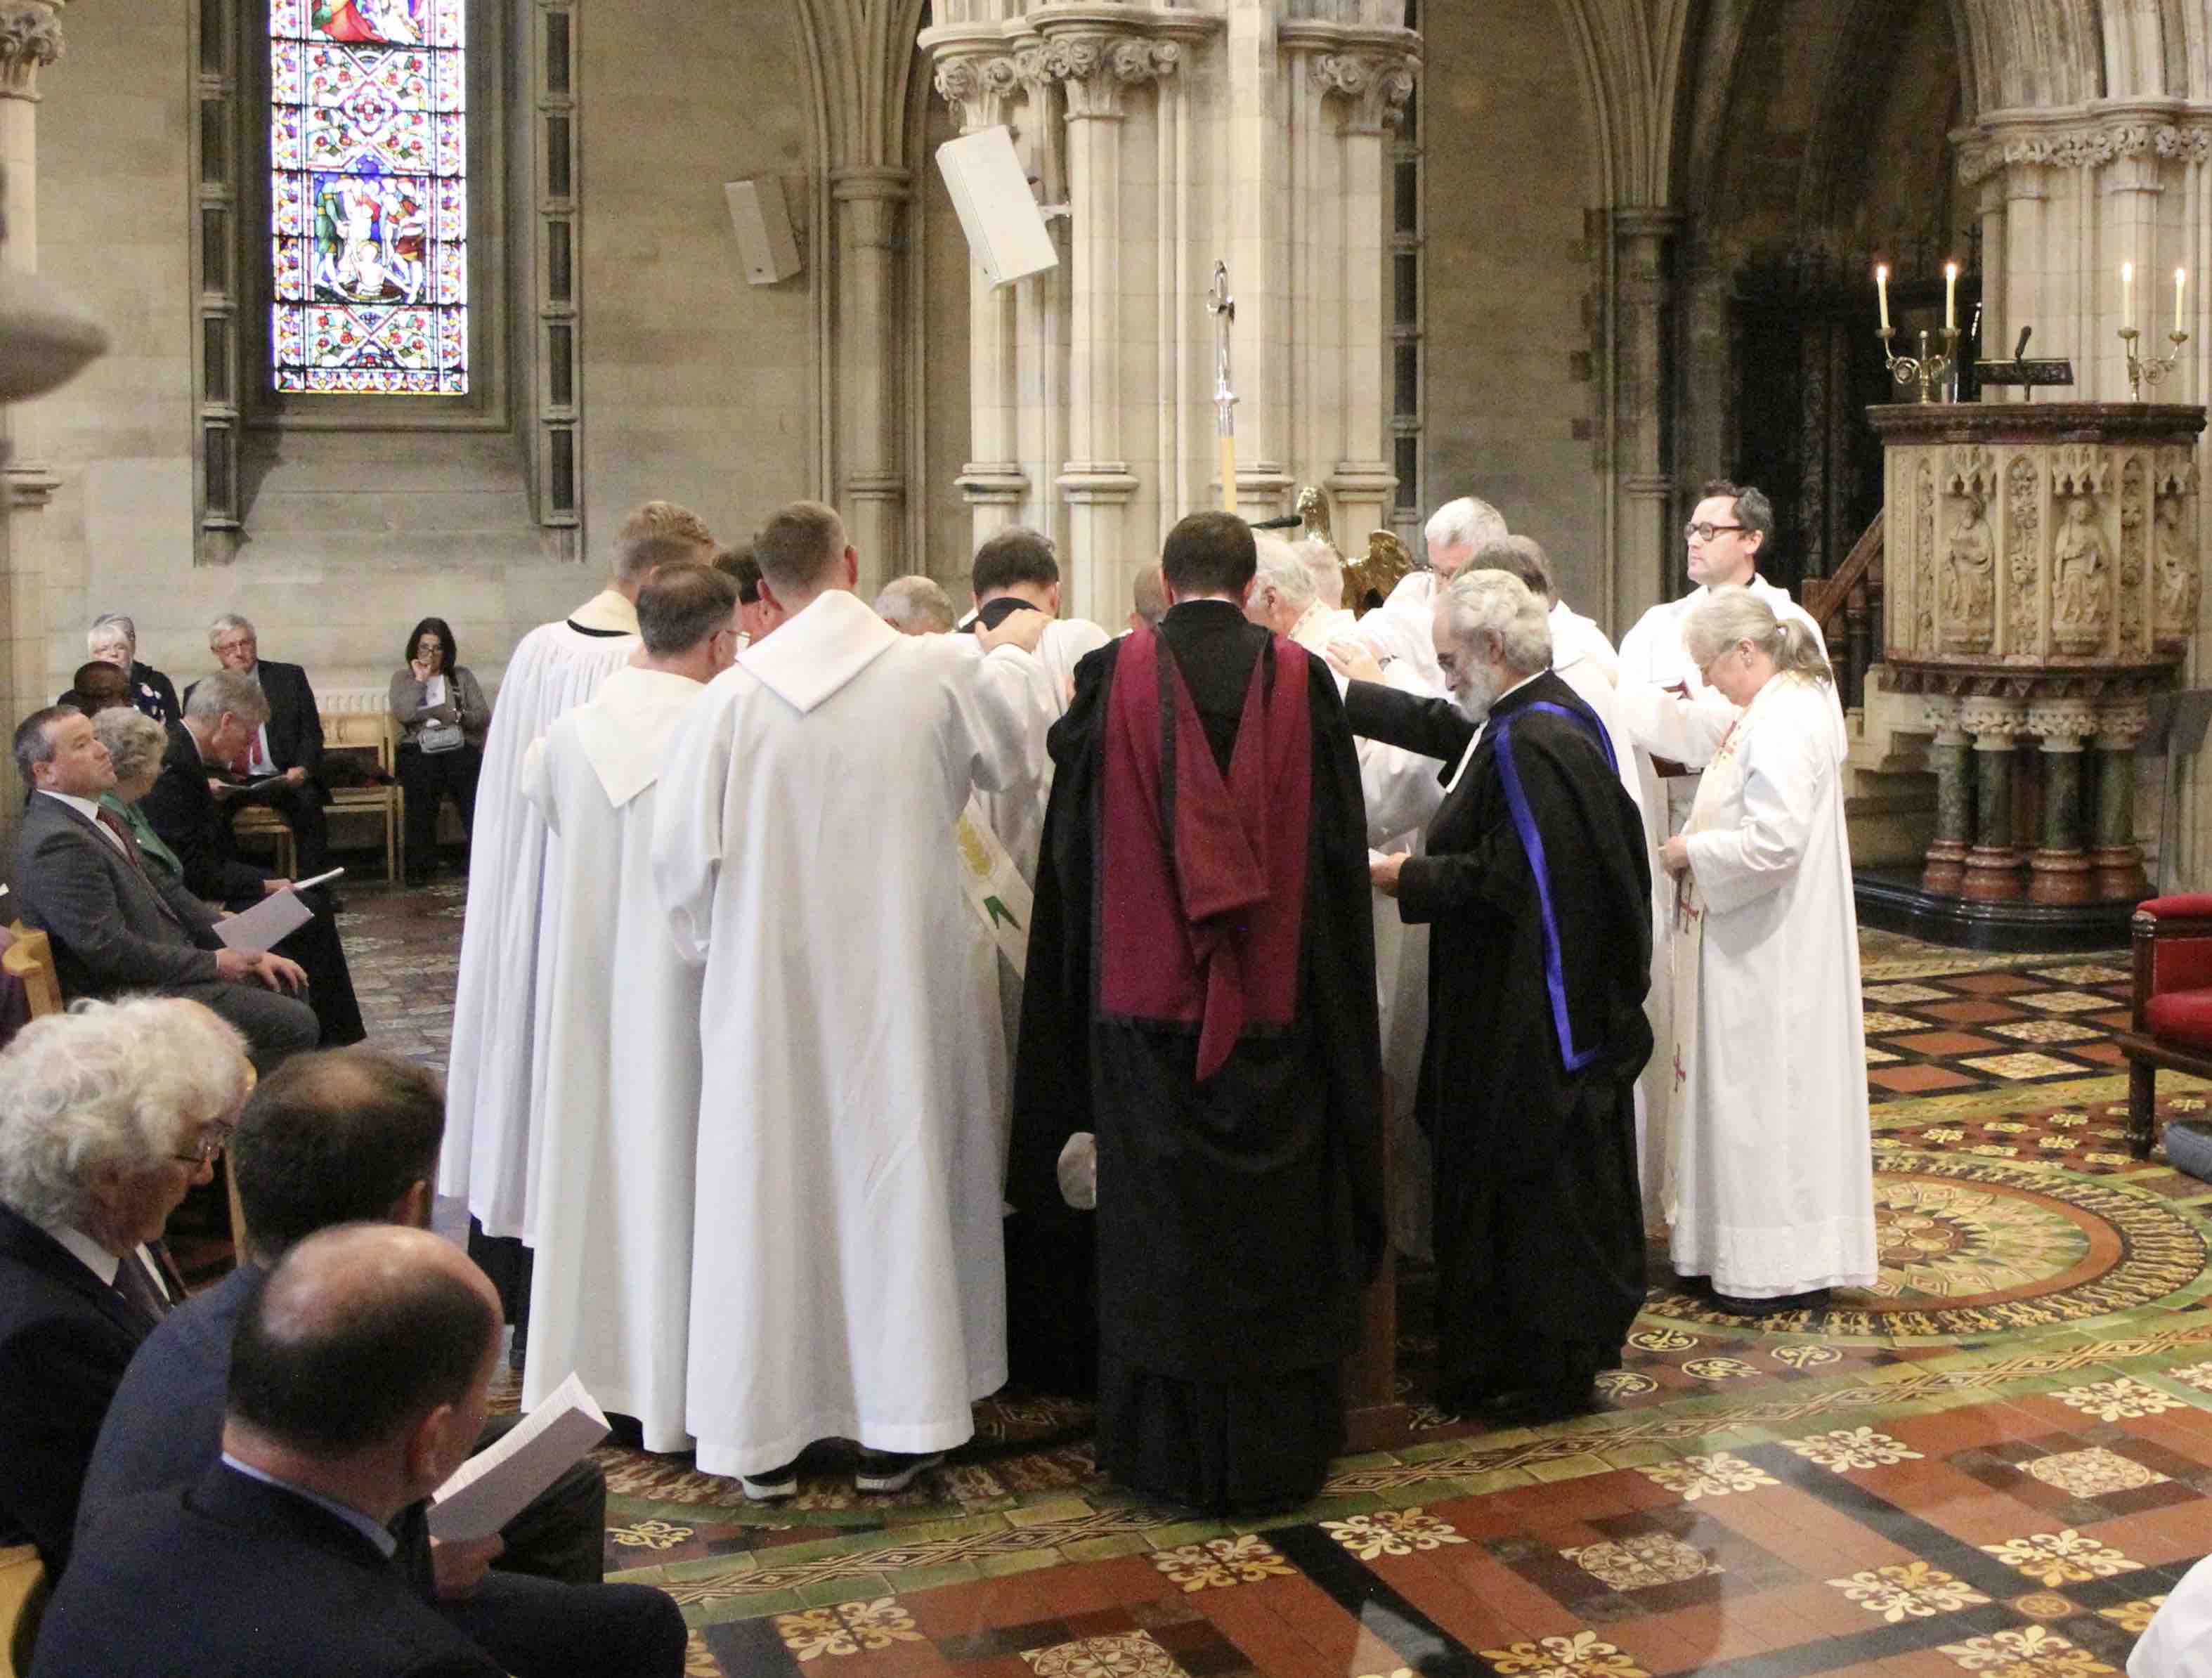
(1772, 1195)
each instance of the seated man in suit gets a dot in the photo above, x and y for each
(107, 1115)
(359, 1376)
(289, 744)
(221, 720)
(117, 927)
(353, 1137)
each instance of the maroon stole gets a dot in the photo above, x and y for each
(1202, 880)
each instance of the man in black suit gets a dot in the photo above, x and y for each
(221, 720)
(359, 1378)
(288, 744)
(86, 1181)
(349, 1138)
(117, 926)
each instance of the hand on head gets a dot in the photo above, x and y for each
(1355, 660)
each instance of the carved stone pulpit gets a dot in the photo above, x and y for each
(2041, 578)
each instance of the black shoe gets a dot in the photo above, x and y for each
(1533, 1406)
(892, 1470)
(771, 1485)
(1780, 1304)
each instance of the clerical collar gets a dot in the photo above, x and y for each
(387, 1545)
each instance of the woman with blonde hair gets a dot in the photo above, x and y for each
(1770, 1190)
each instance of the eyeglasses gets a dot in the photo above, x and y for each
(210, 1147)
(240, 646)
(1700, 533)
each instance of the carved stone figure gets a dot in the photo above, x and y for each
(2083, 576)
(2177, 580)
(1970, 597)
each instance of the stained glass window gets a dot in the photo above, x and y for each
(368, 152)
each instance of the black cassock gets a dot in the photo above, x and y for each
(1536, 1033)
(1238, 1216)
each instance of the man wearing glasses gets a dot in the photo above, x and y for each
(1673, 713)
(286, 751)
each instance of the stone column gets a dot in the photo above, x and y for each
(30, 39)
(1992, 869)
(871, 204)
(1952, 757)
(1643, 536)
(2059, 871)
(2118, 858)
(983, 87)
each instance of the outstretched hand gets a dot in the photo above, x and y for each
(1353, 659)
(1023, 629)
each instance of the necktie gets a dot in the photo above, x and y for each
(115, 824)
(132, 1282)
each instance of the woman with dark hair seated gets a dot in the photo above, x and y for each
(442, 715)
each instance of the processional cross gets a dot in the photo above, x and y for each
(1224, 308)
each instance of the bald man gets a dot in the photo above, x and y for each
(359, 1380)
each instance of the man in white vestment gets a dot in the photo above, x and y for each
(1286, 598)
(1677, 720)
(916, 606)
(1400, 628)
(617, 1134)
(489, 1082)
(1672, 713)
(847, 1275)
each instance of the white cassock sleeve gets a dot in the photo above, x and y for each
(1666, 725)
(1004, 709)
(537, 784)
(1403, 789)
(1785, 775)
(2177, 1643)
(687, 822)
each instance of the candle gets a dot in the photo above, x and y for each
(2180, 282)
(1950, 296)
(2128, 296)
(1881, 291)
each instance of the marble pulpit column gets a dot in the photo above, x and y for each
(1992, 866)
(2117, 860)
(2059, 873)
(1952, 757)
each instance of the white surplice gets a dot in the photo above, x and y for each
(847, 1275)
(1403, 629)
(1047, 679)
(618, 1128)
(491, 1076)
(1774, 1158)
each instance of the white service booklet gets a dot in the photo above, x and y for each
(271, 920)
(491, 1488)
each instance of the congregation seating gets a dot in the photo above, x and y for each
(24, 1588)
(372, 737)
(26, 965)
(2170, 1024)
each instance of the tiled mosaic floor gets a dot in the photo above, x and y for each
(1999, 1459)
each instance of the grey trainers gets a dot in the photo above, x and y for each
(891, 1470)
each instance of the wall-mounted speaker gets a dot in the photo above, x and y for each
(763, 228)
(998, 212)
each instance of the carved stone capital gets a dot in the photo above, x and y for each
(1099, 70)
(2093, 144)
(978, 87)
(30, 39)
(2062, 724)
(1372, 88)
(1992, 721)
(2120, 726)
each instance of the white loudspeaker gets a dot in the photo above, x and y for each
(997, 211)
(763, 225)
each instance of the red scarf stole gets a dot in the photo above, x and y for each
(1201, 879)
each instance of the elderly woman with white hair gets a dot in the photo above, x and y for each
(1772, 1194)
(136, 743)
(108, 1113)
(1536, 889)
(113, 639)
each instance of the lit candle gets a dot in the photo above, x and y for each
(2180, 283)
(1950, 296)
(1881, 291)
(2128, 296)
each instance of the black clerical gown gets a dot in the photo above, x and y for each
(1536, 1033)
(1239, 1213)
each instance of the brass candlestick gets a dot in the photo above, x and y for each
(2141, 373)
(1929, 371)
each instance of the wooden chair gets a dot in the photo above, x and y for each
(23, 1593)
(30, 959)
(2170, 1022)
(258, 821)
(376, 734)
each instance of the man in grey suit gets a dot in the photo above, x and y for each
(118, 926)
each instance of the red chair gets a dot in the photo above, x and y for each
(2171, 1025)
